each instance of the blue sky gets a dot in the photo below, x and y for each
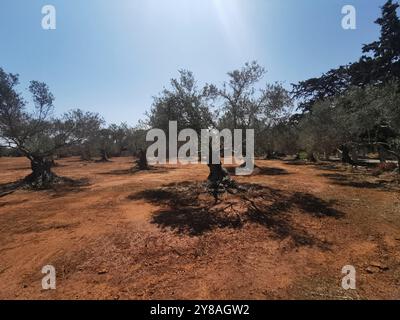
(113, 56)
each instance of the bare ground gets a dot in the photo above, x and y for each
(158, 235)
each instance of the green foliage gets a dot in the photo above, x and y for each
(357, 105)
(379, 65)
(33, 131)
(366, 116)
(183, 103)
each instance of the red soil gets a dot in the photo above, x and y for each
(108, 240)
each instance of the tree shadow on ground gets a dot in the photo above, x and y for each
(297, 162)
(68, 186)
(133, 170)
(61, 187)
(268, 171)
(187, 208)
(349, 181)
(362, 167)
(10, 187)
(330, 167)
(20, 168)
(321, 165)
(16, 202)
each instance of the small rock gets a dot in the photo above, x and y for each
(379, 265)
(371, 270)
(103, 271)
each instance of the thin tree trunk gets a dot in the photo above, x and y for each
(382, 154)
(312, 157)
(398, 165)
(53, 162)
(397, 155)
(85, 153)
(104, 156)
(346, 155)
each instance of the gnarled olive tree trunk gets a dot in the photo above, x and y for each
(218, 178)
(217, 173)
(41, 175)
(104, 156)
(141, 162)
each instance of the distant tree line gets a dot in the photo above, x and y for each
(355, 108)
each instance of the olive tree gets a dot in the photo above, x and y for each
(34, 131)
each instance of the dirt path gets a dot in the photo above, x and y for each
(108, 242)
